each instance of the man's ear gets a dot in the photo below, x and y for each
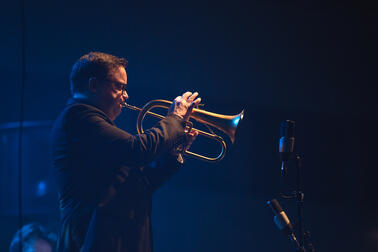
(92, 84)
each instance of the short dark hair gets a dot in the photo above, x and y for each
(93, 64)
(30, 233)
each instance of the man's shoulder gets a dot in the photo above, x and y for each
(80, 110)
(79, 113)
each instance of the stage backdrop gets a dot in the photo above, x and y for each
(311, 62)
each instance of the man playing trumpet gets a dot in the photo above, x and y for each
(105, 176)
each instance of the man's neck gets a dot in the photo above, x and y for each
(80, 96)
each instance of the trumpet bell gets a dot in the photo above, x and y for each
(225, 123)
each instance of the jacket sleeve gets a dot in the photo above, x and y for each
(142, 182)
(102, 137)
(158, 172)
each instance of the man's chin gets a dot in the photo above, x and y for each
(116, 113)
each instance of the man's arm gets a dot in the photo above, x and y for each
(90, 128)
(159, 171)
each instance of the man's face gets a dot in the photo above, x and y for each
(112, 93)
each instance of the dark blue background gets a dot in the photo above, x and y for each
(309, 61)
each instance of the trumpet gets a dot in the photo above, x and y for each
(225, 123)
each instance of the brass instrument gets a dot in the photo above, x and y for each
(224, 123)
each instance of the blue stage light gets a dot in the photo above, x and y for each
(41, 189)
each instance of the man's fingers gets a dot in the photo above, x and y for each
(189, 111)
(192, 135)
(193, 132)
(186, 95)
(183, 105)
(192, 97)
(196, 102)
(190, 138)
(178, 98)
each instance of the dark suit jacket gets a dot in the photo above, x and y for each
(106, 179)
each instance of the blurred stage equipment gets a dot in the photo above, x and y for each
(39, 193)
(225, 123)
(283, 222)
(286, 151)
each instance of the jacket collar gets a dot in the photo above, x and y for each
(73, 101)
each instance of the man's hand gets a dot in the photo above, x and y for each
(183, 105)
(190, 137)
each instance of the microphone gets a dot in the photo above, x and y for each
(283, 222)
(280, 217)
(286, 146)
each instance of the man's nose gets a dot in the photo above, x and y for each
(125, 95)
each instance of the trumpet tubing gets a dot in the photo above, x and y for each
(225, 123)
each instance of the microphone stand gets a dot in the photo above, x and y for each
(300, 200)
(286, 150)
(304, 237)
